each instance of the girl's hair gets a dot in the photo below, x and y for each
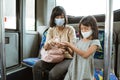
(57, 11)
(89, 21)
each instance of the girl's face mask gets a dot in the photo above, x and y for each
(86, 34)
(59, 21)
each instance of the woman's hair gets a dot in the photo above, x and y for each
(89, 21)
(57, 11)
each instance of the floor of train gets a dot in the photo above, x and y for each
(24, 74)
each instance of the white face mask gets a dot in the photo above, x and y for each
(59, 22)
(86, 34)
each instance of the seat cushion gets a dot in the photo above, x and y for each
(30, 61)
(98, 75)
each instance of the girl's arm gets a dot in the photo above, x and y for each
(84, 54)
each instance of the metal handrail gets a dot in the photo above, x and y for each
(108, 38)
(2, 53)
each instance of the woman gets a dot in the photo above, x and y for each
(43, 70)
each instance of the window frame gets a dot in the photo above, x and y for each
(18, 16)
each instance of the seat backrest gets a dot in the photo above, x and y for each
(117, 42)
(31, 61)
(42, 41)
(43, 38)
(100, 54)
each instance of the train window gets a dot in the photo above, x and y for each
(116, 5)
(10, 14)
(86, 7)
(30, 15)
(83, 7)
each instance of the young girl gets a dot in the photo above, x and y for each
(82, 65)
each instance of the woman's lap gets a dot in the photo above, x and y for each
(59, 70)
(55, 71)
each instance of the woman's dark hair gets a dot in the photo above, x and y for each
(89, 21)
(57, 11)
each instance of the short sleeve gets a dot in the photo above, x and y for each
(96, 42)
(72, 35)
(49, 35)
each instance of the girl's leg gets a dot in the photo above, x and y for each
(41, 70)
(59, 70)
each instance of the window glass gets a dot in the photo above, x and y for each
(30, 14)
(116, 5)
(10, 14)
(86, 7)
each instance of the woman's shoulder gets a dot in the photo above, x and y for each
(70, 27)
(51, 28)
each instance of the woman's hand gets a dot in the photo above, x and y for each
(68, 47)
(65, 44)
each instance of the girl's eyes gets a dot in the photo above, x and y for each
(85, 29)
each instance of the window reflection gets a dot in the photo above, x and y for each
(86, 7)
(30, 14)
(10, 14)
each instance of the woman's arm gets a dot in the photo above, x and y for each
(72, 38)
(72, 35)
(49, 36)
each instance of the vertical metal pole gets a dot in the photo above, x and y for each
(108, 38)
(2, 53)
(22, 27)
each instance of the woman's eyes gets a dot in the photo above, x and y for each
(59, 17)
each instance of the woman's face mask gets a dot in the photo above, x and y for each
(86, 34)
(59, 21)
